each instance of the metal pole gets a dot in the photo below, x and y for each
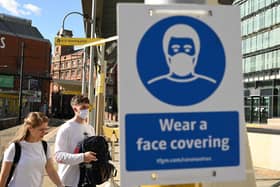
(20, 82)
(91, 117)
(84, 72)
(100, 93)
(84, 66)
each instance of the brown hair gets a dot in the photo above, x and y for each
(33, 119)
(79, 99)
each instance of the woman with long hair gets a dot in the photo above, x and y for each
(29, 171)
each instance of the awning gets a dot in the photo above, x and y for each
(71, 87)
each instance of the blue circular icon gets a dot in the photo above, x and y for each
(180, 61)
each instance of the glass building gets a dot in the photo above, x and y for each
(260, 29)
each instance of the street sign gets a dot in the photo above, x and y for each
(6, 81)
(180, 94)
(74, 41)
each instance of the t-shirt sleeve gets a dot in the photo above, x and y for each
(9, 153)
(63, 153)
(49, 154)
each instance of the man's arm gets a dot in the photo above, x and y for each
(63, 155)
(62, 152)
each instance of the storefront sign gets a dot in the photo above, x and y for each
(6, 81)
(2, 42)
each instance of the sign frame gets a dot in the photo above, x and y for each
(136, 100)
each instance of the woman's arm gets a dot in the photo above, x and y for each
(52, 173)
(5, 171)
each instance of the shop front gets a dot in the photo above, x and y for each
(262, 103)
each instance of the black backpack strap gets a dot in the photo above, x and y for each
(15, 161)
(45, 147)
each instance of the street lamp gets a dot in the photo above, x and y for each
(62, 33)
(86, 19)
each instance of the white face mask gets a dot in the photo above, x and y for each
(83, 113)
(181, 64)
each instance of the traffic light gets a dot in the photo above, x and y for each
(225, 2)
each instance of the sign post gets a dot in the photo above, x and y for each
(180, 94)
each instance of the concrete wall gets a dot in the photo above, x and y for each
(265, 150)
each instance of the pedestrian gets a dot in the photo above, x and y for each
(68, 136)
(34, 159)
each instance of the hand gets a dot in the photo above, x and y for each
(89, 156)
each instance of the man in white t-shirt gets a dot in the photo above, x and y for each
(68, 136)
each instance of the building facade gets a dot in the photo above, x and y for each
(25, 58)
(260, 29)
(67, 71)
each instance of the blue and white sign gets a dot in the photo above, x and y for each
(181, 60)
(180, 94)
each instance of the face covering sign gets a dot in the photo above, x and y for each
(180, 94)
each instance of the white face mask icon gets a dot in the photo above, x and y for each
(181, 47)
(181, 64)
(84, 113)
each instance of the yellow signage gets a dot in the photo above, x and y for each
(74, 41)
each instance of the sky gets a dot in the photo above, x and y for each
(47, 15)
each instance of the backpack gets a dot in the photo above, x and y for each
(17, 157)
(95, 172)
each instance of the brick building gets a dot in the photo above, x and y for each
(22, 47)
(67, 72)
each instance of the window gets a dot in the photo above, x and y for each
(254, 43)
(267, 2)
(274, 15)
(245, 27)
(68, 74)
(261, 20)
(265, 40)
(242, 14)
(278, 15)
(246, 8)
(252, 63)
(273, 59)
(247, 65)
(256, 23)
(259, 63)
(261, 3)
(256, 5)
(268, 17)
(278, 58)
(243, 66)
(259, 41)
(250, 25)
(243, 46)
(268, 61)
(275, 39)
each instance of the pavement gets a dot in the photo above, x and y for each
(264, 177)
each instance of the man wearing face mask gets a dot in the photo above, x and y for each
(181, 47)
(68, 136)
